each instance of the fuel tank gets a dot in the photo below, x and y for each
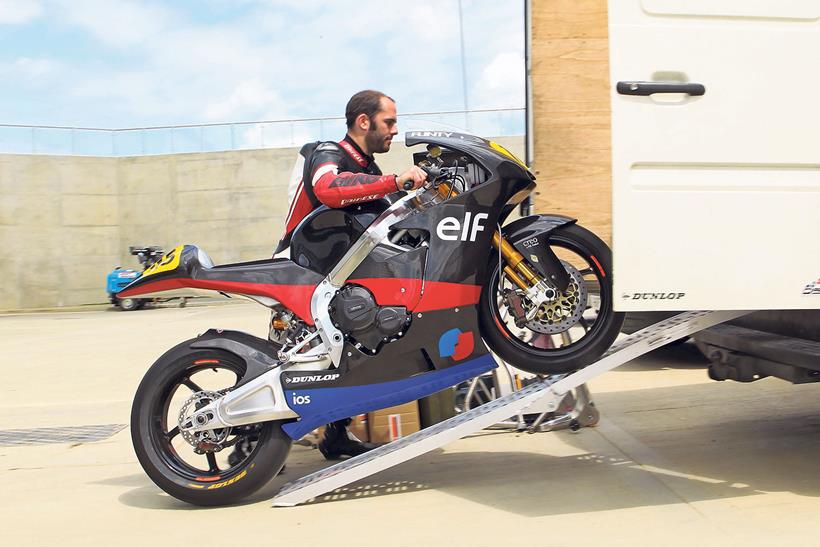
(325, 235)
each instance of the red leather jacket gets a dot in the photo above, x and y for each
(336, 175)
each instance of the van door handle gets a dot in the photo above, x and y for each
(645, 89)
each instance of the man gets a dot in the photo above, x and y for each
(337, 175)
(341, 174)
(344, 173)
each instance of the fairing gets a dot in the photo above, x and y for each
(439, 282)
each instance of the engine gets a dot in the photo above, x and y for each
(355, 312)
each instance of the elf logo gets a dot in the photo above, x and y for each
(300, 399)
(452, 229)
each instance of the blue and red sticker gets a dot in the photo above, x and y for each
(456, 344)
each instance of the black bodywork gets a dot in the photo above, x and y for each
(436, 285)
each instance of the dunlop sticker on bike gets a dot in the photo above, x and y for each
(227, 482)
(167, 263)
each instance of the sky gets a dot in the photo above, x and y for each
(127, 63)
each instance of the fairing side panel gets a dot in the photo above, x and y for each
(320, 406)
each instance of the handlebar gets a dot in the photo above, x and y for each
(431, 166)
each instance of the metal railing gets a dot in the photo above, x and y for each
(177, 139)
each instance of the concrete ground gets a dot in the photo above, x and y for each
(676, 460)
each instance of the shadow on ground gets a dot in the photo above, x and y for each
(656, 446)
(684, 356)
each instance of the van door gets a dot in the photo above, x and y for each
(715, 154)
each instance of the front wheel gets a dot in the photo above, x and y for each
(195, 467)
(565, 333)
(129, 304)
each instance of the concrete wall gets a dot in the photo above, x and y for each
(58, 229)
(65, 222)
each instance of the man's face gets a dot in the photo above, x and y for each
(382, 128)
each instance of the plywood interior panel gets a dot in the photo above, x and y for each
(571, 111)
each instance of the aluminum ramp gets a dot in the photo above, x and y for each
(554, 388)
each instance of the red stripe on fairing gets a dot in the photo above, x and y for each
(294, 297)
(388, 291)
(438, 295)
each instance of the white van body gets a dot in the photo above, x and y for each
(716, 198)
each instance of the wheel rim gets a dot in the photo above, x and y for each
(175, 452)
(596, 301)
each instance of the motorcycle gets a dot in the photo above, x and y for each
(381, 303)
(120, 278)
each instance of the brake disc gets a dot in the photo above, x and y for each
(565, 310)
(208, 440)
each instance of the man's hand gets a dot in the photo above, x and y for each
(415, 174)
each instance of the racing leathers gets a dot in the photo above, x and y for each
(336, 175)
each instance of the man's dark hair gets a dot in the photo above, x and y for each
(366, 102)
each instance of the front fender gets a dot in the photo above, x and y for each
(530, 235)
(259, 355)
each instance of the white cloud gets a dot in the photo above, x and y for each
(30, 73)
(118, 23)
(33, 68)
(271, 59)
(501, 84)
(15, 12)
(247, 100)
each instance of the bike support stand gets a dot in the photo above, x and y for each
(574, 412)
(549, 392)
(576, 409)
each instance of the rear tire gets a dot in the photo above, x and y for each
(176, 468)
(531, 351)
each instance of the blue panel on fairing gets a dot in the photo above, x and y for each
(322, 406)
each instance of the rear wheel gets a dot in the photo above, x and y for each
(566, 333)
(195, 468)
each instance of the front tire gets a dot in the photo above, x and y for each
(170, 460)
(562, 346)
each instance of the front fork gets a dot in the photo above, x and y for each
(516, 268)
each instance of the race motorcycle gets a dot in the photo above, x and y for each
(121, 278)
(381, 303)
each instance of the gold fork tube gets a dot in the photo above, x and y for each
(515, 278)
(517, 269)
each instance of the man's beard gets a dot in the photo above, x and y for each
(376, 142)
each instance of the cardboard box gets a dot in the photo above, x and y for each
(389, 424)
(380, 426)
